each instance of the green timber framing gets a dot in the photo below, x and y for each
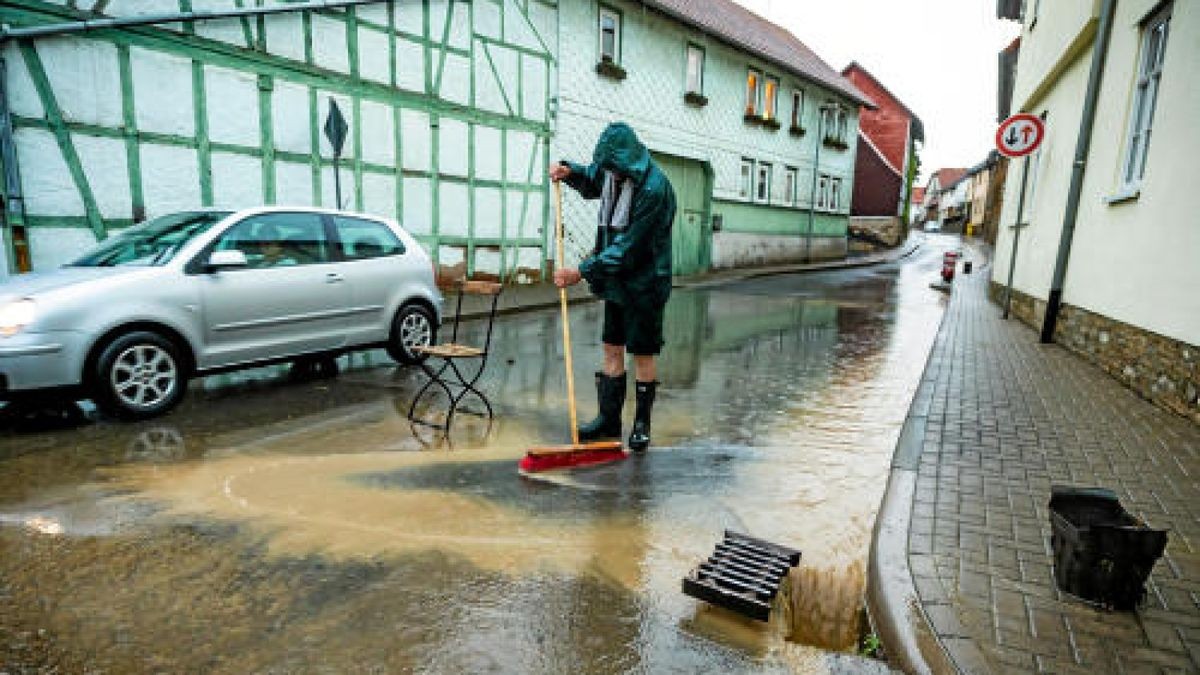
(253, 58)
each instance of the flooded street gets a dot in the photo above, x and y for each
(282, 524)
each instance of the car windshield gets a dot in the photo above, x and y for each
(152, 243)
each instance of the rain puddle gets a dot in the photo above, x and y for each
(364, 539)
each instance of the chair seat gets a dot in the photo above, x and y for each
(450, 350)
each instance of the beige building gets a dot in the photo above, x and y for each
(1131, 291)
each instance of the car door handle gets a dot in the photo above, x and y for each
(333, 278)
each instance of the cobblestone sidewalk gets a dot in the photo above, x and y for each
(1005, 418)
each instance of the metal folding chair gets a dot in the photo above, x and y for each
(445, 371)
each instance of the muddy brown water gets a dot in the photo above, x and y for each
(279, 525)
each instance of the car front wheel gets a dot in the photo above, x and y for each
(414, 326)
(138, 375)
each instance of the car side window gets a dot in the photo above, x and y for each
(363, 239)
(278, 240)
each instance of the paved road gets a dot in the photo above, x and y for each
(281, 524)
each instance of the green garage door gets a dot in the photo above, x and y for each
(690, 237)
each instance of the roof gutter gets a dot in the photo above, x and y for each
(667, 11)
(85, 25)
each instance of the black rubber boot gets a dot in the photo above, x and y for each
(639, 437)
(610, 392)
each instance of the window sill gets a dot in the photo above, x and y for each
(695, 99)
(752, 118)
(610, 70)
(1125, 196)
(797, 131)
(771, 124)
(836, 144)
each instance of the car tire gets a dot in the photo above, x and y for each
(413, 326)
(138, 375)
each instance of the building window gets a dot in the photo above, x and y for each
(835, 194)
(745, 189)
(843, 123)
(770, 98)
(753, 82)
(695, 70)
(789, 186)
(1154, 45)
(797, 108)
(610, 35)
(762, 191)
(823, 192)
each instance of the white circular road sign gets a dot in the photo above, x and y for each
(1020, 135)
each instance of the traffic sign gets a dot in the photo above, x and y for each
(1020, 135)
(336, 128)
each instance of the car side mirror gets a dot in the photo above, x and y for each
(222, 260)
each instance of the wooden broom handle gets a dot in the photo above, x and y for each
(566, 321)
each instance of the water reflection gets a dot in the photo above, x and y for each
(337, 533)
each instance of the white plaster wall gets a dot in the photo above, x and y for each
(293, 184)
(22, 96)
(453, 200)
(487, 212)
(418, 209)
(415, 136)
(452, 147)
(222, 30)
(285, 36)
(85, 77)
(232, 101)
(329, 44)
(488, 150)
(1135, 261)
(162, 92)
(410, 17)
(51, 247)
(379, 194)
(290, 117)
(45, 178)
(105, 164)
(170, 179)
(237, 181)
(379, 144)
(410, 65)
(456, 80)
(373, 56)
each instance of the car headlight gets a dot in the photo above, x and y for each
(15, 316)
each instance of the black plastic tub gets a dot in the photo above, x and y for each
(1102, 553)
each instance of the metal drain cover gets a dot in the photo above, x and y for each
(743, 574)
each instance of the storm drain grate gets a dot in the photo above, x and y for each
(743, 574)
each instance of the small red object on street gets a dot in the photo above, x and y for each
(948, 271)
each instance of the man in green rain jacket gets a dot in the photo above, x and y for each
(630, 268)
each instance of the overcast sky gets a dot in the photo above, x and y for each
(938, 56)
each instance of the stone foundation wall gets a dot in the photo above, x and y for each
(1160, 369)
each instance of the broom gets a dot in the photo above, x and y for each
(576, 454)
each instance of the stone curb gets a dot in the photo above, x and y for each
(892, 600)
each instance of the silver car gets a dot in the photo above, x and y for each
(198, 292)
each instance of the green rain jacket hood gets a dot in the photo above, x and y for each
(631, 267)
(620, 151)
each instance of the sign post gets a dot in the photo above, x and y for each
(1018, 136)
(335, 131)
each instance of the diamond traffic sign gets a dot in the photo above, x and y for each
(335, 128)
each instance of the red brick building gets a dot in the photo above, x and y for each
(886, 139)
